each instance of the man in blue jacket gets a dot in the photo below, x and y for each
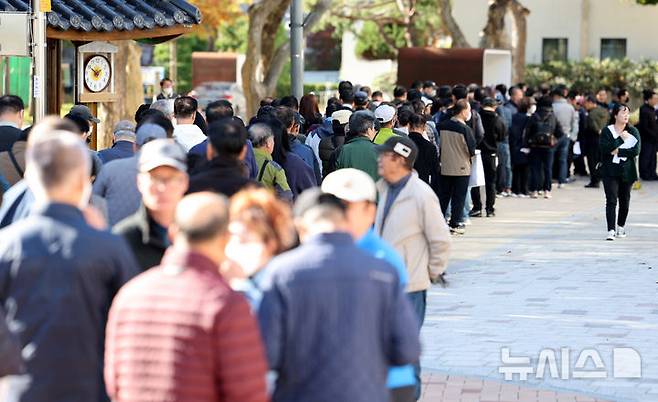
(333, 318)
(359, 193)
(58, 276)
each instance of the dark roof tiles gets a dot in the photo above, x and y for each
(111, 15)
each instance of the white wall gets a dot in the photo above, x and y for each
(360, 71)
(564, 19)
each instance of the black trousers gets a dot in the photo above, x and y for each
(452, 191)
(520, 179)
(489, 164)
(648, 161)
(541, 163)
(593, 158)
(616, 189)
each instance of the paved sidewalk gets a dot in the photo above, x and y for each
(540, 276)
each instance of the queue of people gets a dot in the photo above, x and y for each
(289, 257)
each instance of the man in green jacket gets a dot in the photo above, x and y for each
(359, 150)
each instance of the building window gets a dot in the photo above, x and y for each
(554, 49)
(613, 48)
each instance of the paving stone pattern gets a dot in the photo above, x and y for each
(540, 275)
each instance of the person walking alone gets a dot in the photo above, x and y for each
(619, 145)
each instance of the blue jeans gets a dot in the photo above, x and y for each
(418, 302)
(562, 154)
(541, 165)
(504, 170)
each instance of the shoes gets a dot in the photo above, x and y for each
(560, 185)
(548, 195)
(491, 214)
(506, 193)
(534, 194)
(524, 196)
(515, 195)
(621, 232)
(611, 235)
(570, 180)
(475, 213)
(592, 185)
(459, 229)
(467, 221)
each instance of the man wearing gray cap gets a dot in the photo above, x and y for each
(409, 218)
(117, 181)
(162, 181)
(123, 142)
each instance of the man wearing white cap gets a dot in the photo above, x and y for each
(386, 114)
(357, 190)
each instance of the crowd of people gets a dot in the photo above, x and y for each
(287, 257)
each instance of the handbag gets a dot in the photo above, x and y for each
(477, 170)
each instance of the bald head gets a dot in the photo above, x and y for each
(201, 218)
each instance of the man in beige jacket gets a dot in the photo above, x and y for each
(409, 218)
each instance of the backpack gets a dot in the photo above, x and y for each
(329, 149)
(544, 137)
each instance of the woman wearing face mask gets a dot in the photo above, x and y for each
(619, 144)
(260, 227)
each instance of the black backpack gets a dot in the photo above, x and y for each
(544, 137)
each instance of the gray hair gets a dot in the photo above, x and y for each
(200, 217)
(259, 133)
(52, 160)
(166, 106)
(361, 121)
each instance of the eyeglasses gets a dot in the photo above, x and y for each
(165, 181)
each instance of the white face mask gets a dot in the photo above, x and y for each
(376, 103)
(86, 196)
(249, 256)
(168, 91)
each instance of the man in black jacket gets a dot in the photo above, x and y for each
(225, 173)
(427, 163)
(494, 132)
(162, 180)
(11, 121)
(649, 136)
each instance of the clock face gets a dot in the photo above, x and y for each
(97, 73)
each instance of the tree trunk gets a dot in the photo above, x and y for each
(520, 14)
(263, 63)
(495, 35)
(449, 24)
(128, 85)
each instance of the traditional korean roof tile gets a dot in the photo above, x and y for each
(113, 15)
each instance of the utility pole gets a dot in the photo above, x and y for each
(297, 48)
(173, 61)
(39, 8)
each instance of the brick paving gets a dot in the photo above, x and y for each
(538, 276)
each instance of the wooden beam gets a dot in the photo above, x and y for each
(74, 35)
(54, 88)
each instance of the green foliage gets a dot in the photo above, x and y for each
(185, 45)
(371, 45)
(647, 2)
(233, 36)
(590, 74)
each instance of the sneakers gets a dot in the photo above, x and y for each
(592, 185)
(491, 214)
(621, 232)
(611, 235)
(548, 195)
(534, 194)
(475, 213)
(560, 185)
(458, 230)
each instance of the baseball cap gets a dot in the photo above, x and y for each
(124, 127)
(343, 116)
(84, 112)
(350, 185)
(315, 197)
(360, 98)
(400, 145)
(149, 132)
(162, 152)
(384, 113)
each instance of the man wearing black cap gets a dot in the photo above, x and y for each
(360, 101)
(315, 299)
(409, 218)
